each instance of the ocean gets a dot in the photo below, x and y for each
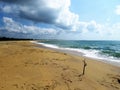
(108, 51)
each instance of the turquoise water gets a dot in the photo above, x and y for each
(98, 49)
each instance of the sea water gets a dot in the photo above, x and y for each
(103, 50)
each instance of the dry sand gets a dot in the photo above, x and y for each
(26, 67)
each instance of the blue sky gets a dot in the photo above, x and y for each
(60, 19)
(98, 10)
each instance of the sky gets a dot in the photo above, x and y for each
(60, 19)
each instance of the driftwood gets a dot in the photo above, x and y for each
(85, 64)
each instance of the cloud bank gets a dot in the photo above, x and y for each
(63, 23)
(89, 30)
(14, 29)
(54, 12)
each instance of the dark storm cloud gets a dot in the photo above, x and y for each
(17, 1)
(35, 10)
(41, 16)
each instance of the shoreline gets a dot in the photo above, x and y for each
(26, 67)
(81, 54)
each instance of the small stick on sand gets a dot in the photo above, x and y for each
(85, 64)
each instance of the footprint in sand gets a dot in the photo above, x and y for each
(38, 86)
(114, 81)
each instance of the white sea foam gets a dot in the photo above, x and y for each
(46, 45)
(49, 45)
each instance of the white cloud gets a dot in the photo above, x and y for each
(13, 9)
(7, 9)
(117, 10)
(13, 26)
(91, 26)
(93, 30)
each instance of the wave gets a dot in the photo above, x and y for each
(111, 53)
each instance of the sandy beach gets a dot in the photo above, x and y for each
(23, 66)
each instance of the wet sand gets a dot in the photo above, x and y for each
(23, 66)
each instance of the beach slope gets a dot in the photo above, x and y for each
(23, 66)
